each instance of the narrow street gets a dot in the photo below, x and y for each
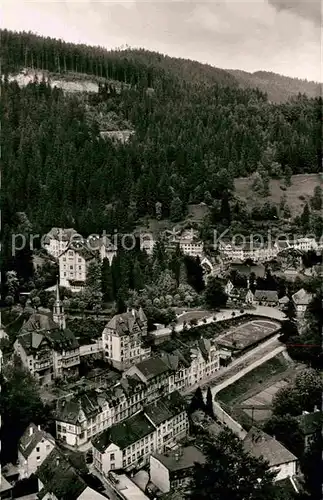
(109, 490)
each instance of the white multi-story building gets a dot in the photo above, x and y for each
(304, 244)
(34, 446)
(58, 239)
(73, 266)
(188, 242)
(253, 251)
(47, 349)
(301, 300)
(123, 339)
(130, 443)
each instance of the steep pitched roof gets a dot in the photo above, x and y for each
(266, 295)
(165, 408)
(38, 322)
(124, 433)
(302, 297)
(260, 444)
(152, 367)
(57, 233)
(284, 300)
(30, 439)
(181, 459)
(78, 408)
(124, 323)
(59, 477)
(204, 346)
(57, 339)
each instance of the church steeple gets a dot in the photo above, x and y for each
(58, 310)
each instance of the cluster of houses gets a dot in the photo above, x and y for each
(139, 418)
(153, 438)
(74, 253)
(257, 252)
(239, 296)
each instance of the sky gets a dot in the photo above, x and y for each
(283, 36)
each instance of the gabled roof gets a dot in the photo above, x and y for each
(266, 295)
(57, 233)
(165, 408)
(57, 339)
(284, 300)
(30, 439)
(59, 477)
(124, 433)
(240, 293)
(260, 444)
(302, 297)
(79, 407)
(204, 346)
(82, 249)
(181, 459)
(310, 423)
(123, 324)
(39, 322)
(152, 367)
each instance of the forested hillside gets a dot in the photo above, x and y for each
(191, 139)
(278, 88)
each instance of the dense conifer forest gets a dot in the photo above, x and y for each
(194, 133)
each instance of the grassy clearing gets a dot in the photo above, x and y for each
(254, 379)
(302, 186)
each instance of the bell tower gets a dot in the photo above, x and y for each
(58, 311)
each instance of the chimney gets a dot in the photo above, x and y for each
(133, 312)
(31, 431)
(316, 408)
(57, 461)
(39, 427)
(177, 456)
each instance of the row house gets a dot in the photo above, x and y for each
(80, 418)
(123, 339)
(154, 429)
(33, 447)
(47, 349)
(58, 239)
(250, 250)
(189, 366)
(83, 416)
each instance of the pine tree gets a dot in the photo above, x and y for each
(209, 402)
(197, 402)
(107, 288)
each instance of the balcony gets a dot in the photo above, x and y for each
(66, 363)
(43, 364)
